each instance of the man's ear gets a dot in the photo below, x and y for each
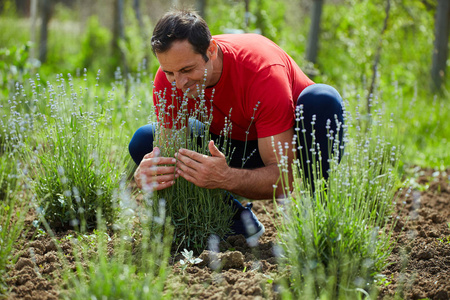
(213, 49)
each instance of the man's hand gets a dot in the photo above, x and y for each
(204, 171)
(155, 173)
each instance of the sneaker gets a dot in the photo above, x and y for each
(246, 223)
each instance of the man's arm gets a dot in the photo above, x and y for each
(213, 171)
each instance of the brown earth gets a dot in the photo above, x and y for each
(420, 262)
(419, 265)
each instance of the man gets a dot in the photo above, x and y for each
(260, 84)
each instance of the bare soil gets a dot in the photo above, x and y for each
(419, 265)
(420, 262)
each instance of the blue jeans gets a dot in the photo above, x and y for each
(319, 100)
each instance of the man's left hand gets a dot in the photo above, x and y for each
(204, 171)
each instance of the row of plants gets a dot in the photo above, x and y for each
(61, 158)
(74, 161)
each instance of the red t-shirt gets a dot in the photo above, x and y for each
(256, 73)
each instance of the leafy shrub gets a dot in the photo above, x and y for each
(351, 31)
(95, 46)
(14, 66)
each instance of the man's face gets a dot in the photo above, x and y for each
(187, 68)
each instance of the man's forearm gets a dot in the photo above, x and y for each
(254, 184)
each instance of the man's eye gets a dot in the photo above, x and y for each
(185, 71)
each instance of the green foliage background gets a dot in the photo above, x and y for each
(350, 35)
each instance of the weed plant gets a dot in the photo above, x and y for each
(76, 161)
(129, 263)
(196, 213)
(332, 235)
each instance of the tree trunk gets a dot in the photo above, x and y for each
(46, 14)
(247, 14)
(137, 12)
(33, 28)
(314, 31)
(143, 33)
(377, 57)
(118, 35)
(22, 7)
(201, 8)
(440, 51)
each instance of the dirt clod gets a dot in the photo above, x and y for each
(23, 262)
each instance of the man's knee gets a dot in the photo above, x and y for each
(321, 98)
(141, 143)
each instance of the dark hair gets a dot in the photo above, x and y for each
(181, 25)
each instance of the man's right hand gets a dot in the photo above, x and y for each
(155, 173)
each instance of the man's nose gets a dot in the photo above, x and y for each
(180, 80)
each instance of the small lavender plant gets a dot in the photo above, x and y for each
(196, 213)
(332, 236)
(132, 263)
(73, 158)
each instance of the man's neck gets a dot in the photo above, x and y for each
(217, 67)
